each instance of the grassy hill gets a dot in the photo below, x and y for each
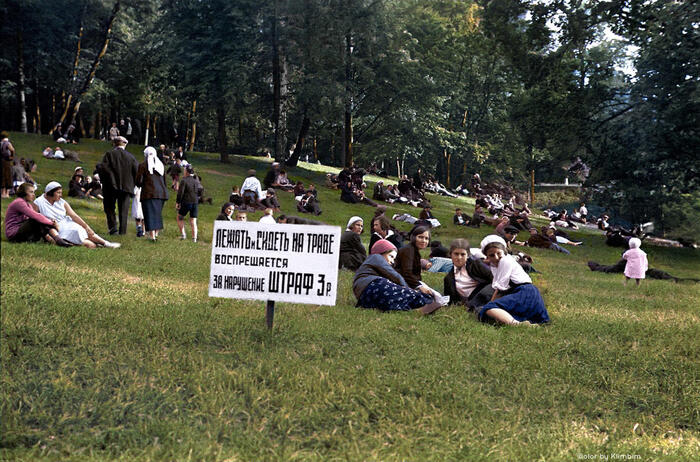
(121, 355)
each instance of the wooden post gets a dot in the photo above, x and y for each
(270, 314)
(532, 187)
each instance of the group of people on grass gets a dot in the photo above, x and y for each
(497, 288)
(119, 180)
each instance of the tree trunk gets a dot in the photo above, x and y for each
(37, 101)
(315, 149)
(74, 72)
(155, 133)
(279, 89)
(221, 132)
(347, 125)
(194, 125)
(20, 84)
(97, 60)
(294, 159)
(448, 157)
(148, 127)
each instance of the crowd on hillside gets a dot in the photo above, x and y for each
(492, 279)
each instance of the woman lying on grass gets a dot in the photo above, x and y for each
(378, 285)
(515, 300)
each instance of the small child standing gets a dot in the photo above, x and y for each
(637, 263)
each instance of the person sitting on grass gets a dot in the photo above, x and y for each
(352, 252)
(71, 227)
(408, 261)
(469, 282)
(637, 263)
(268, 216)
(93, 186)
(235, 197)
(226, 212)
(252, 192)
(270, 200)
(24, 224)
(76, 185)
(377, 285)
(309, 203)
(515, 299)
(460, 219)
(381, 229)
(282, 182)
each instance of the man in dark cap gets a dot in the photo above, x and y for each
(118, 173)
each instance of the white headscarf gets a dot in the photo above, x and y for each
(635, 243)
(492, 238)
(154, 162)
(352, 222)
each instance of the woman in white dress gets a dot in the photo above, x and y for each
(71, 227)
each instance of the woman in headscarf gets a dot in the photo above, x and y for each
(352, 252)
(71, 227)
(154, 192)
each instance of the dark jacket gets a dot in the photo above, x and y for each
(374, 267)
(395, 238)
(347, 194)
(352, 252)
(408, 265)
(538, 240)
(477, 270)
(118, 171)
(152, 185)
(187, 191)
(270, 178)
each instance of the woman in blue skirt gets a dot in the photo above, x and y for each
(515, 300)
(378, 285)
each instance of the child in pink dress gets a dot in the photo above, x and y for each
(637, 263)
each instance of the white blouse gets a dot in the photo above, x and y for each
(507, 271)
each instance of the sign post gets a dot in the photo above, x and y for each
(275, 262)
(270, 314)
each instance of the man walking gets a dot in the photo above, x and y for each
(118, 174)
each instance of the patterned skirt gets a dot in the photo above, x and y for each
(387, 296)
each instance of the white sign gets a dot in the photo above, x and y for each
(279, 262)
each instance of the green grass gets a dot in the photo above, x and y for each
(121, 355)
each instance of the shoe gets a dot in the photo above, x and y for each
(183, 237)
(112, 245)
(194, 239)
(444, 300)
(113, 232)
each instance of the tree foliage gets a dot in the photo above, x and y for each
(500, 87)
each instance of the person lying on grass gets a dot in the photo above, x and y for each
(469, 282)
(71, 227)
(378, 285)
(515, 299)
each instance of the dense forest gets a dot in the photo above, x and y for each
(512, 89)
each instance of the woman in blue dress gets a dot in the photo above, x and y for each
(515, 299)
